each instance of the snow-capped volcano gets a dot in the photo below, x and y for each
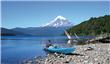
(59, 21)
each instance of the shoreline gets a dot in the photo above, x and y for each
(98, 53)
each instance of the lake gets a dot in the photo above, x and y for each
(15, 49)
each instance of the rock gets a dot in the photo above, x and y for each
(94, 54)
(66, 62)
(89, 49)
(90, 63)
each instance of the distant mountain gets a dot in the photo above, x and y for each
(9, 32)
(42, 31)
(53, 28)
(59, 21)
(94, 26)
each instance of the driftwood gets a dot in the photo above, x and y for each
(103, 38)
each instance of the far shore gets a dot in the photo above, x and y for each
(98, 53)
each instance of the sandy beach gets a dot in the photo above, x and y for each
(98, 53)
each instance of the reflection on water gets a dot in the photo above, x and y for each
(16, 48)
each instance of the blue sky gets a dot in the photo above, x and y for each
(38, 13)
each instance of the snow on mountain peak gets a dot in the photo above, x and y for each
(60, 17)
(59, 21)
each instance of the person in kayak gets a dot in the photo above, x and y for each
(48, 44)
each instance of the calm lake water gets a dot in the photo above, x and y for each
(15, 49)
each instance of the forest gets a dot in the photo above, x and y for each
(92, 27)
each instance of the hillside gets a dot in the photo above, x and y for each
(92, 27)
(9, 32)
(42, 31)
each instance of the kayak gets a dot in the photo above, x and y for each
(60, 50)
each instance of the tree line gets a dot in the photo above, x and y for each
(92, 27)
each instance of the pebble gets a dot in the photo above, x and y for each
(94, 54)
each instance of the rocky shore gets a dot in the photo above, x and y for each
(84, 54)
